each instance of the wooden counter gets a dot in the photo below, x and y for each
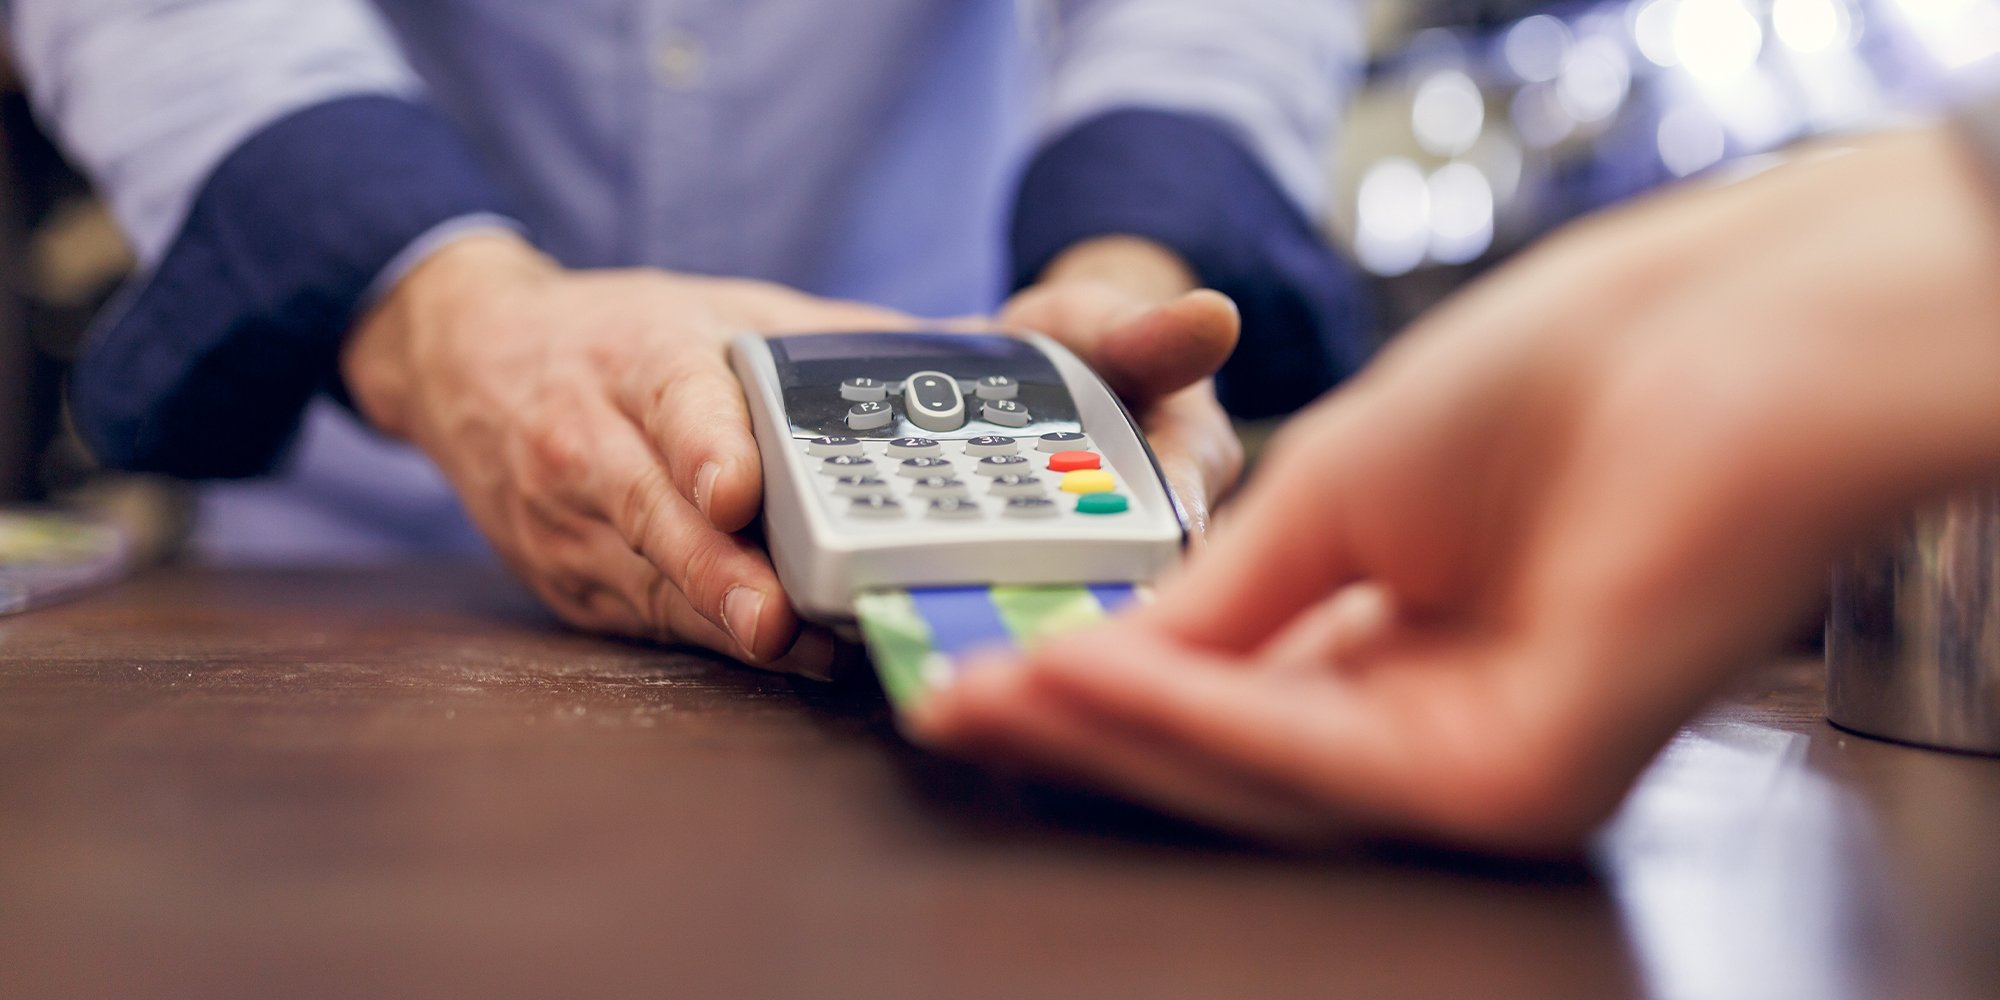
(411, 782)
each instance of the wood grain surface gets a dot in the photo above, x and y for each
(412, 782)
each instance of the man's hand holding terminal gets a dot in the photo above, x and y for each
(591, 425)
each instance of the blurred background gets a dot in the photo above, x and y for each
(1482, 124)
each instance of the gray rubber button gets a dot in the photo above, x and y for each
(864, 390)
(1005, 412)
(847, 465)
(933, 487)
(933, 401)
(987, 445)
(861, 486)
(1063, 441)
(869, 416)
(1000, 465)
(996, 387)
(1031, 507)
(875, 507)
(953, 509)
(915, 448)
(827, 447)
(1012, 485)
(922, 468)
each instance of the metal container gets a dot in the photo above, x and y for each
(1913, 635)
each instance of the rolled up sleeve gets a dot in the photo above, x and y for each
(1202, 126)
(270, 161)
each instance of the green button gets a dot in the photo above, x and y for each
(1101, 503)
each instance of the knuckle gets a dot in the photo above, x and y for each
(665, 608)
(702, 571)
(684, 412)
(557, 449)
(644, 510)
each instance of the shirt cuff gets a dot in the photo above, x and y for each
(204, 367)
(1186, 182)
(433, 240)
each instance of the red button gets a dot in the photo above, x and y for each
(1070, 461)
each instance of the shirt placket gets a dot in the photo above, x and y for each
(678, 148)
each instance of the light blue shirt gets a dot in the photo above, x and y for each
(862, 149)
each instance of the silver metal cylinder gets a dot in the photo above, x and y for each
(1913, 635)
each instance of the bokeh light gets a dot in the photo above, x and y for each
(1392, 217)
(1447, 113)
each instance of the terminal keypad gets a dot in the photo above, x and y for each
(970, 480)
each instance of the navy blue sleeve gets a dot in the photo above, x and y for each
(204, 367)
(1186, 182)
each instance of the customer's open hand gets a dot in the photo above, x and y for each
(1468, 597)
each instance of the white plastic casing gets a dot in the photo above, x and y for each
(824, 555)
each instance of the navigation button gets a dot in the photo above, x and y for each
(933, 401)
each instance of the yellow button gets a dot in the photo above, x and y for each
(1088, 481)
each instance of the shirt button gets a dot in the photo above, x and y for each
(680, 62)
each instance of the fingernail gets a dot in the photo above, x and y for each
(704, 486)
(741, 608)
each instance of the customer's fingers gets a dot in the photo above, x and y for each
(1455, 739)
(1284, 547)
(1001, 713)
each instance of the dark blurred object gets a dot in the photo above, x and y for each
(61, 260)
(17, 369)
